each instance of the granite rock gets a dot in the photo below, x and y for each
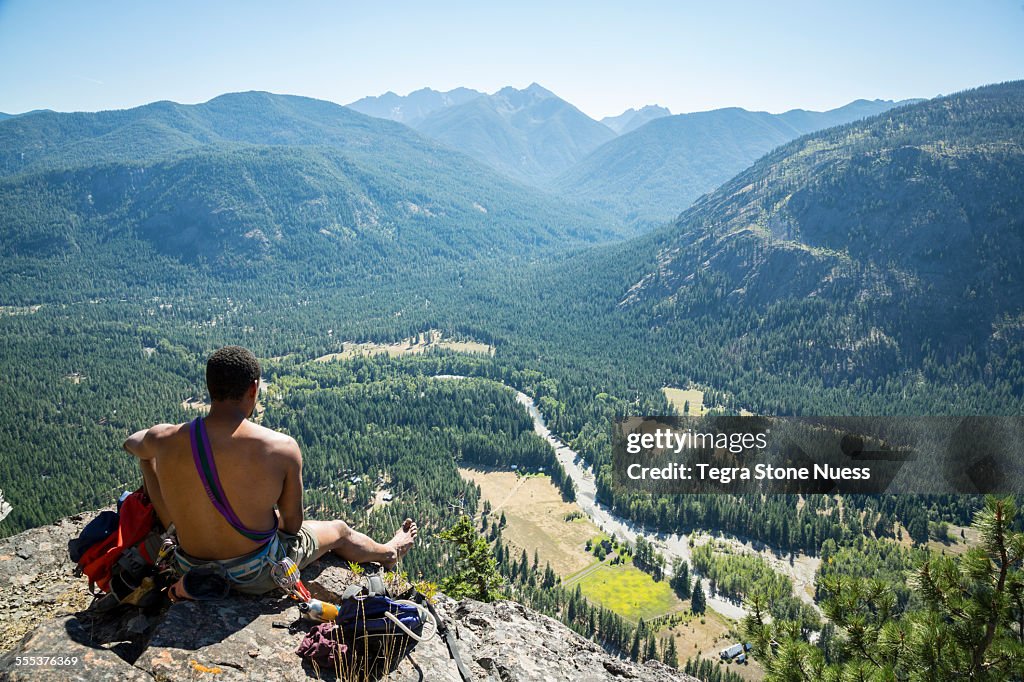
(249, 638)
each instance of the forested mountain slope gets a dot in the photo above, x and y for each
(51, 140)
(870, 269)
(872, 246)
(649, 176)
(252, 180)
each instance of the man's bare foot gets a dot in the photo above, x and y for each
(402, 542)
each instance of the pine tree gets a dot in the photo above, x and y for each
(568, 489)
(669, 656)
(476, 571)
(969, 625)
(634, 649)
(680, 582)
(978, 598)
(651, 650)
(549, 577)
(697, 602)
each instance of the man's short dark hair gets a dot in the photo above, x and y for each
(230, 371)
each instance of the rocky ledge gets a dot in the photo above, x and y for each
(235, 639)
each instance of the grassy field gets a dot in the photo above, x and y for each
(410, 346)
(678, 397)
(709, 637)
(536, 516)
(19, 309)
(195, 404)
(955, 545)
(628, 591)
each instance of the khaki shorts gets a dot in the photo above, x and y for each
(302, 548)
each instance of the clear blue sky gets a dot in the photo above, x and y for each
(602, 57)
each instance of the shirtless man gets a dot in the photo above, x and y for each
(190, 468)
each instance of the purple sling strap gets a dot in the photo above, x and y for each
(202, 455)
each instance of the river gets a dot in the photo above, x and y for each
(800, 571)
(671, 546)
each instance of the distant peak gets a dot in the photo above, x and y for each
(533, 90)
(242, 93)
(631, 119)
(655, 108)
(248, 96)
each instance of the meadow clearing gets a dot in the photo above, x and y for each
(536, 518)
(413, 345)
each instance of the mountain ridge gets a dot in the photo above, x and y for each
(529, 135)
(412, 108)
(650, 175)
(631, 119)
(48, 139)
(909, 222)
(254, 177)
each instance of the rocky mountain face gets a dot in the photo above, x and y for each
(42, 614)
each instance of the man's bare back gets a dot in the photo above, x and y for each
(258, 468)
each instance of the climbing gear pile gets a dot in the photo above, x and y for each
(368, 634)
(122, 553)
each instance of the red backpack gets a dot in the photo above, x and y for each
(136, 521)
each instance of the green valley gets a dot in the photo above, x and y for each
(872, 268)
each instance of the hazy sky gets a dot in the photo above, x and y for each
(602, 57)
